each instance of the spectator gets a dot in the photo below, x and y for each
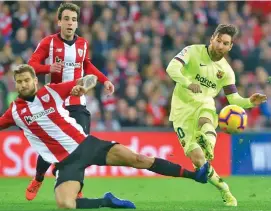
(20, 44)
(132, 43)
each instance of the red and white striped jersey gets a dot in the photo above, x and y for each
(74, 55)
(46, 123)
(5, 24)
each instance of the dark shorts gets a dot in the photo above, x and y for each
(81, 115)
(92, 151)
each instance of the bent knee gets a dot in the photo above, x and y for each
(202, 121)
(66, 203)
(197, 157)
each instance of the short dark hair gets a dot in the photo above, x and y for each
(228, 29)
(67, 6)
(24, 68)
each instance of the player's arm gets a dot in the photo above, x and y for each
(175, 67)
(234, 98)
(231, 92)
(77, 87)
(64, 89)
(90, 69)
(174, 70)
(39, 56)
(6, 120)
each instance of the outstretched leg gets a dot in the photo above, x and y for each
(120, 155)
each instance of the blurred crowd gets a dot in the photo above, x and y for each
(133, 42)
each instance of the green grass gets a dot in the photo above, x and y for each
(253, 193)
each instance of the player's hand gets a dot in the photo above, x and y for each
(56, 67)
(78, 91)
(195, 88)
(109, 88)
(257, 99)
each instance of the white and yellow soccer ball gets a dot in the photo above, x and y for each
(232, 119)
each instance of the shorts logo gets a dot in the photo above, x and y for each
(45, 98)
(59, 50)
(181, 135)
(80, 52)
(220, 74)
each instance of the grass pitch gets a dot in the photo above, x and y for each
(252, 193)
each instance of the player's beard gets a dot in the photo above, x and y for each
(29, 93)
(216, 56)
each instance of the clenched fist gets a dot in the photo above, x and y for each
(78, 91)
(195, 88)
(56, 67)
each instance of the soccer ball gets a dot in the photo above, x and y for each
(232, 119)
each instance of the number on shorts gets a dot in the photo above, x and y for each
(180, 133)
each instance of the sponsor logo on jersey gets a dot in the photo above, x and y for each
(34, 117)
(68, 64)
(205, 81)
(220, 74)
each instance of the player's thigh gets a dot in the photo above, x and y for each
(120, 155)
(81, 115)
(67, 187)
(71, 171)
(66, 194)
(94, 151)
(210, 115)
(185, 131)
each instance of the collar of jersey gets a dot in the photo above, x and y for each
(206, 46)
(68, 42)
(29, 99)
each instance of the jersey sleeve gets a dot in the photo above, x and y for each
(6, 120)
(184, 55)
(63, 89)
(39, 56)
(229, 86)
(89, 68)
(175, 73)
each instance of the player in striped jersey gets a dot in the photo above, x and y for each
(59, 139)
(66, 57)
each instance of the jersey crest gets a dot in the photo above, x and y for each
(45, 98)
(220, 74)
(80, 52)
